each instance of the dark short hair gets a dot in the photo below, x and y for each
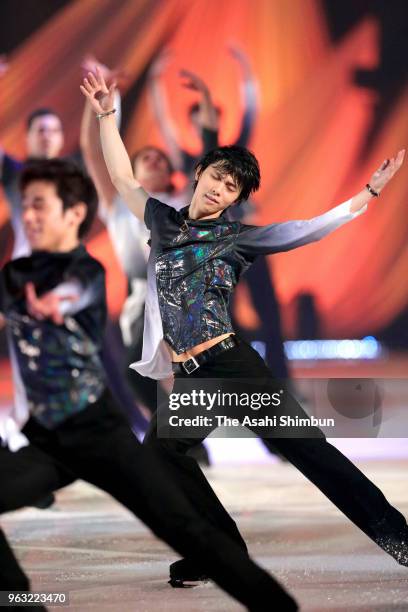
(40, 112)
(71, 184)
(139, 152)
(237, 161)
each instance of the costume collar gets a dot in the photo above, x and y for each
(78, 250)
(222, 219)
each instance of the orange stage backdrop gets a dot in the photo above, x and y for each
(310, 128)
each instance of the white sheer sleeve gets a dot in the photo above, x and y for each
(277, 237)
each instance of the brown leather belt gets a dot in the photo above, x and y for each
(192, 364)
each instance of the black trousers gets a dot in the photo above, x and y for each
(339, 479)
(98, 446)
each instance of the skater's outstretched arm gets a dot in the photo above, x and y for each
(116, 157)
(68, 298)
(77, 293)
(279, 237)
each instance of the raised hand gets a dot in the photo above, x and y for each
(193, 81)
(47, 306)
(111, 75)
(240, 56)
(237, 53)
(100, 96)
(386, 171)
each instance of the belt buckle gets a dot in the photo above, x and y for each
(191, 365)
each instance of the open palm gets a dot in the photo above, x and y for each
(386, 171)
(99, 95)
(192, 81)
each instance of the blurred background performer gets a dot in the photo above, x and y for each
(203, 115)
(44, 140)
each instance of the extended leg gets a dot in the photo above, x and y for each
(350, 490)
(25, 476)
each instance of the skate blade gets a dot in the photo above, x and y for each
(186, 584)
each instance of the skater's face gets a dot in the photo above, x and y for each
(47, 225)
(215, 191)
(45, 137)
(152, 168)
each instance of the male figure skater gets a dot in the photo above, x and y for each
(54, 305)
(196, 260)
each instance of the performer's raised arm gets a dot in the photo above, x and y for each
(89, 135)
(203, 114)
(208, 118)
(116, 157)
(9, 167)
(161, 110)
(278, 237)
(249, 95)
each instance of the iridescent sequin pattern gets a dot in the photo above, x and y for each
(59, 365)
(195, 277)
